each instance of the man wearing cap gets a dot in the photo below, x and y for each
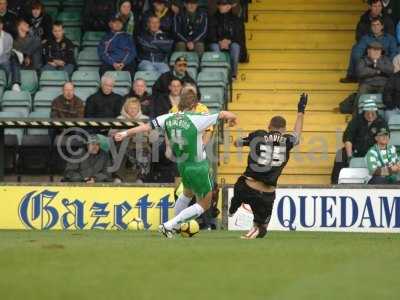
(161, 86)
(358, 137)
(91, 168)
(374, 70)
(387, 41)
(190, 28)
(382, 160)
(117, 50)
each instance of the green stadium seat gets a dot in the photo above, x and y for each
(212, 96)
(122, 78)
(358, 162)
(88, 57)
(394, 123)
(191, 57)
(86, 79)
(215, 59)
(70, 18)
(89, 68)
(193, 73)
(24, 110)
(52, 11)
(45, 97)
(92, 38)
(46, 109)
(11, 98)
(121, 90)
(77, 4)
(51, 3)
(208, 78)
(53, 78)
(395, 138)
(74, 34)
(149, 76)
(85, 92)
(353, 176)
(29, 81)
(222, 70)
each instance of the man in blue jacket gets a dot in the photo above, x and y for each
(190, 27)
(154, 47)
(377, 35)
(117, 50)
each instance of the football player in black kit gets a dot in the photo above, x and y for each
(269, 154)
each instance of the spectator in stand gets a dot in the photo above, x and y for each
(138, 152)
(67, 105)
(27, 51)
(104, 103)
(160, 8)
(190, 28)
(375, 11)
(382, 160)
(139, 91)
(126, 15)
(161, 86)
(58, 51)
(92, 169)
(40, 23)
(9, 18)
(117, 50)
(391, 96)
(358, 51)
(97, 14)
(358, 137)
(18, 7)
(154, 47)
(226, 33)
(6, 44)
(374, 70)
(392, 8)
(164, 102)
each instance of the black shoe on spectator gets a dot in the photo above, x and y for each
(348, 80)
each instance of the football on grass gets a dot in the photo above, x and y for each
(190, 228)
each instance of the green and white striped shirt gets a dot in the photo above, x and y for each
(379, 158)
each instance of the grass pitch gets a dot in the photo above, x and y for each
(213, 265)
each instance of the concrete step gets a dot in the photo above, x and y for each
(295, 76)
(300, 39)
(297, 60)
(313, 122)
(279, 101)
(305, 20)
(314, 5)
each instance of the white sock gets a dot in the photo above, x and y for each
(192, 212)
(181, 203)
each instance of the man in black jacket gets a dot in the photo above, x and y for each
(375, 11)
(190, 27)
(374, 70)
(105, 103)
(139, 90)
(161, 86)
(391, 96)
(58, 52)
(226, 33)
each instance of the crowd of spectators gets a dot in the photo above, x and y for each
(139, 35)
(374, 64)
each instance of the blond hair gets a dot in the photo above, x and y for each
(188, 100)
(130, 101)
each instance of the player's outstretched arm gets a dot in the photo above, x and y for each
(301, 107)
(120, 136)
(230, 117)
